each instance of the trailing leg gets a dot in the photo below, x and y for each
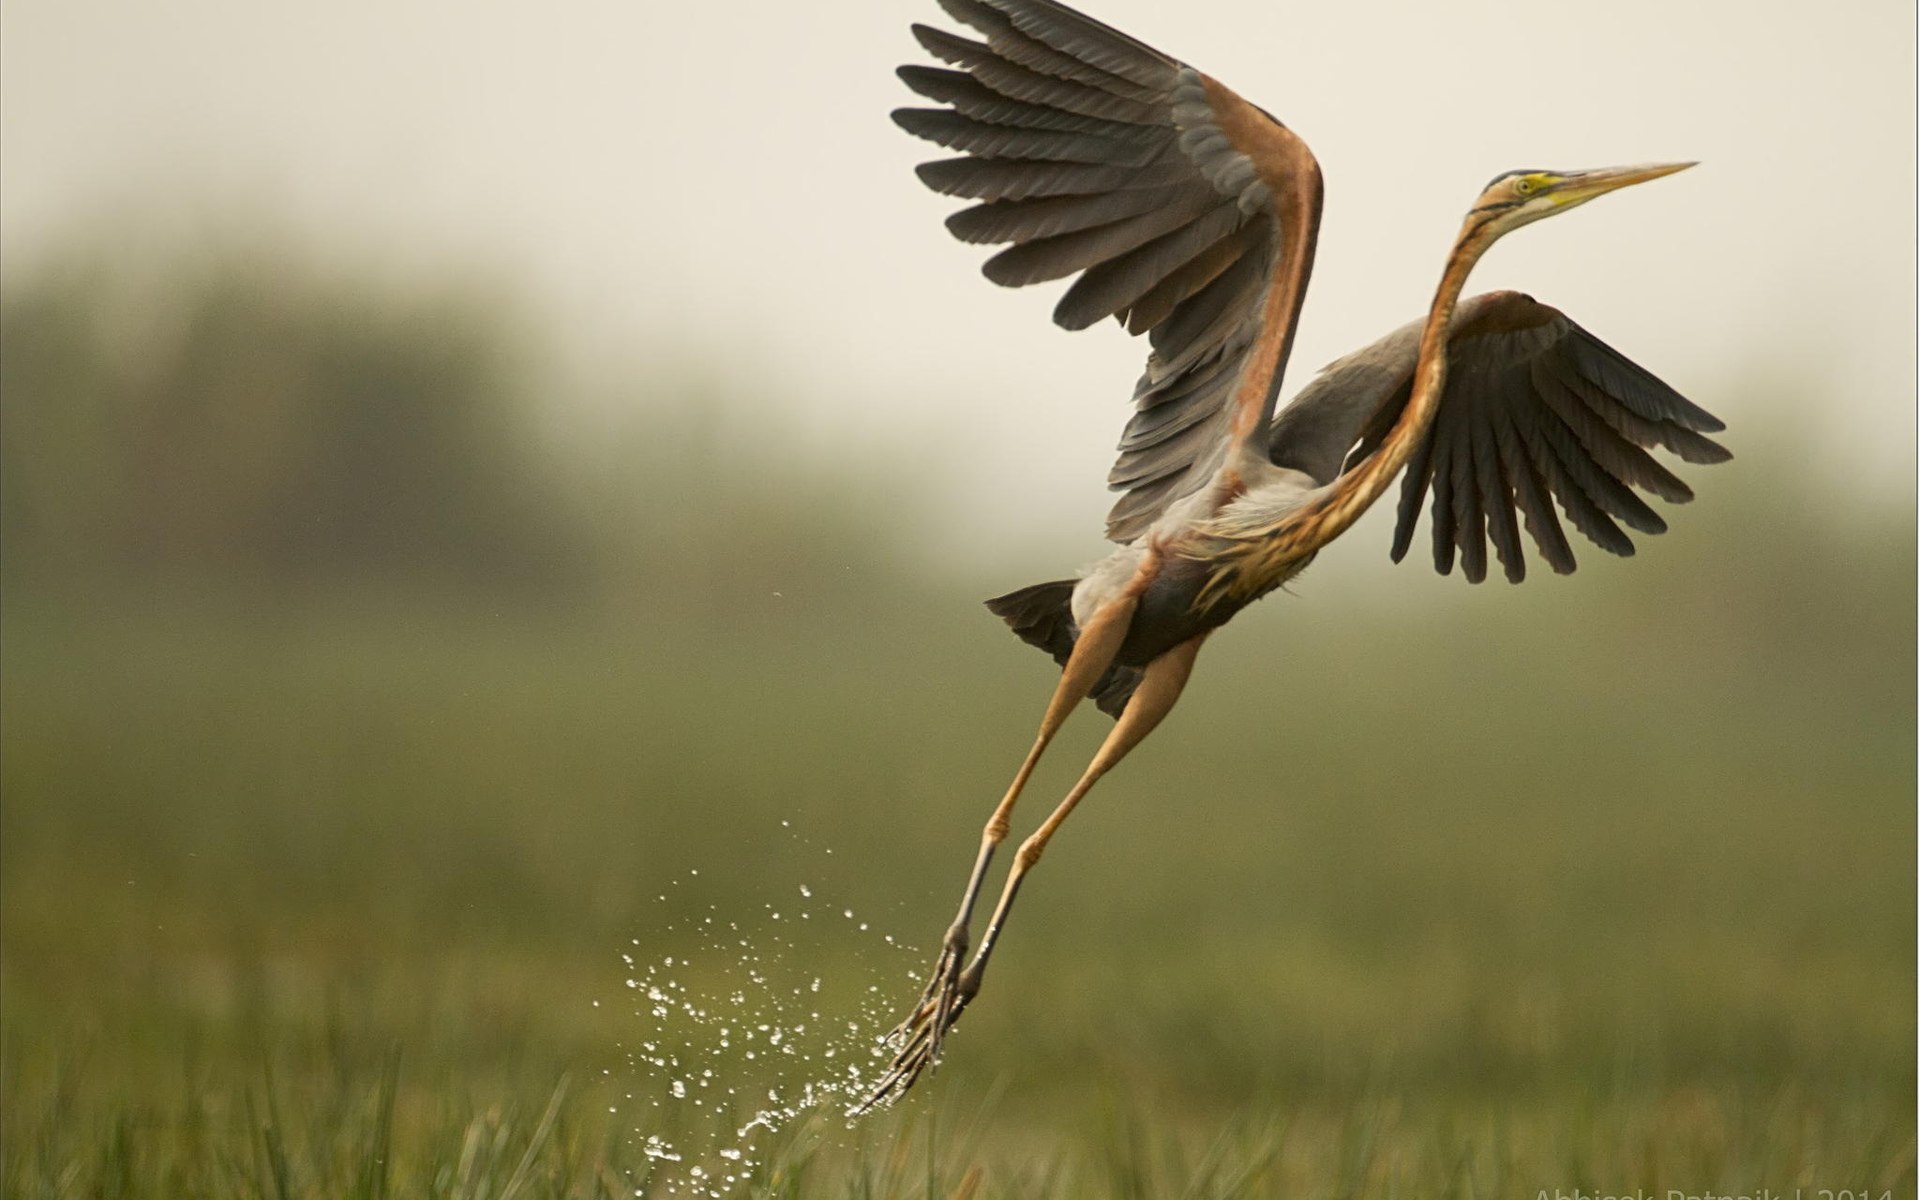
(952, 988)
(920, 1033)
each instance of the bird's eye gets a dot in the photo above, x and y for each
(1523, 186)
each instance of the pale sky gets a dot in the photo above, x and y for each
(707, 181)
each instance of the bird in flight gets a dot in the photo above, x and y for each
(1189, 214)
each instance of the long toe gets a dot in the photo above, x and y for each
(919, 1039)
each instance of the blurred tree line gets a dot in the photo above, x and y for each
(251, 421)
(240, 419)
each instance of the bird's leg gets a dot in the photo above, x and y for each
(1160, 687)
(1093, 653)
(937, 1008)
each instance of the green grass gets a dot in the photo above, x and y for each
(316, 889)
(1601, 884)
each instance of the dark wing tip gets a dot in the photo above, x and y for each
(1705, 452)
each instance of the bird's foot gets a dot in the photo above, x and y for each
(919, 1038)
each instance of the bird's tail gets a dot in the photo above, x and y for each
(1043, 616)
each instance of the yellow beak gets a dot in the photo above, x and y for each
(1584, 186)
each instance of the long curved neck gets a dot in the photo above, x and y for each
(1353, 493)
(1254, 564)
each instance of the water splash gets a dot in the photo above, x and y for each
(743, 1035)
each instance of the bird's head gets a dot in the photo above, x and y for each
(1522, 197)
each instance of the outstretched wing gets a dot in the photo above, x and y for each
(1535, 407)
(1177, 204)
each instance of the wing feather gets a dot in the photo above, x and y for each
(1574, 501)
(1639, 391)
(1532, 496)
(1536, 411)
(1021, 83)
(1619, 456)
(1496, 498)
(1010, 43)
(970, 98)
(1213, 323)
(1688, 445)
(1090, 41)
(1019, 179)
(1112, 286)
(1057, 257)
(1172, 200)
(1124, 148)
(1197, 272)
(1418, 476)
(1453, 495)
(1049, 216)
(1156, 424)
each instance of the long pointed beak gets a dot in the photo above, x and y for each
(1588, 184)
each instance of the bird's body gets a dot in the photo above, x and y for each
(1190, 215)
(1171, 563)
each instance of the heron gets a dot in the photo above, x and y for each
(1189, 214)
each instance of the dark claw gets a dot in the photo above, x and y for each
(921, 1036)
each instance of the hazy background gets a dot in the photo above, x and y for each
(718, 183)
(464, 467)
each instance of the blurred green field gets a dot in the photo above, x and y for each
(311, 873)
